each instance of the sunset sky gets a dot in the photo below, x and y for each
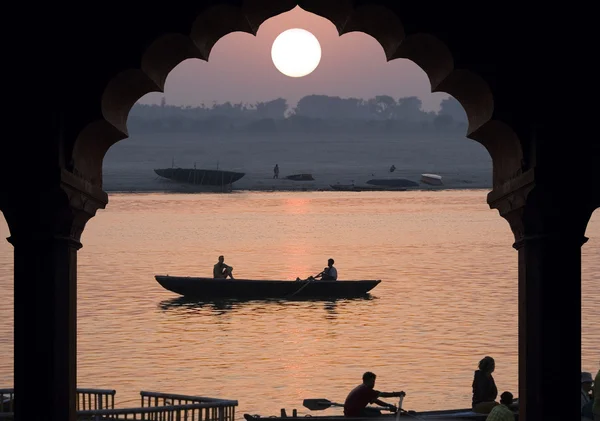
(240, 69)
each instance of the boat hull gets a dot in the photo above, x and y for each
(300, 177)
(200, 177)
(210, 289)
(347, 187)
(392, 182)
(452, 414)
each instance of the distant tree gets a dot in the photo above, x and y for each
(450, 106)
(409, 109)
(274, 109)
(443, 121)
(382, 106)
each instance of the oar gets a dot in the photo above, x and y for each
(309, 278)
(399, 408)
(319, 404)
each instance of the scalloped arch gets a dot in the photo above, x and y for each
(427, 51)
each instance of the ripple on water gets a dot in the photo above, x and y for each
(448, 297)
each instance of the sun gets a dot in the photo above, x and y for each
(296, 52)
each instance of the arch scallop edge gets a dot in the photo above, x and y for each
(169, 50)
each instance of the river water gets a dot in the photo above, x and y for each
(448, 297)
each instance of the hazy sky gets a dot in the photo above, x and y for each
(240, 69)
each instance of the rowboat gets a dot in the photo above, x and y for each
(300, 177)
(450, 415)
(320, 404)
(210, 288)
(200, 177)
(432, 179)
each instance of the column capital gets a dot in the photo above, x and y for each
(510, 200)
(58, 211)
(561, 237)
(536, 209)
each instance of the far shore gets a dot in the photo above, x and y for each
(268, 189)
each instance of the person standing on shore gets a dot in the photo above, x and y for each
(276, 171)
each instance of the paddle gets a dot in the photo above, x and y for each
(319, 404)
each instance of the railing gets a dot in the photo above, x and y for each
(87, 399)
(92, 399)
(7, 399)
(98, 405)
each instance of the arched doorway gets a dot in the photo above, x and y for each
(127, 54)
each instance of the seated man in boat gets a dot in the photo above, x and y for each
(221, 270)
(329, 273)
(364, 394)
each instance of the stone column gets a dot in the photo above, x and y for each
(549, 232)
(45, 231)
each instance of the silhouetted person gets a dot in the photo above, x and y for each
(276, 171)
(392, 168)
(221, 270)
(502, 412)
(364, 394)
(596, 406)
(329, 273)
(586, 387)
(484, 387)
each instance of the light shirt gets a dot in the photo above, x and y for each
(332, 272)
(501, 413)
(585, 398)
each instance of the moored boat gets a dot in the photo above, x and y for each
(300, 177)
(392, 182)
(200, 177)
(210, 288)
(432, 179)
(352, 187)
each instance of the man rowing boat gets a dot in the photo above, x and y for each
(363, 394)
(329, 273)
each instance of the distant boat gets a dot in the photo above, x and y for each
(432, 179)
(300, 177)
(392, 182)
(209, 288)
(352, 187)
(200, 177)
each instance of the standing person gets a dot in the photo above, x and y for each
(484, 387)
(502, 412)
(276, 171)
(221, 270)
(364, 394)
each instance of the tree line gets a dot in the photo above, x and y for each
(313, 113)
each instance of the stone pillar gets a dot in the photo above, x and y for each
(549, 232)
(45, 231)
